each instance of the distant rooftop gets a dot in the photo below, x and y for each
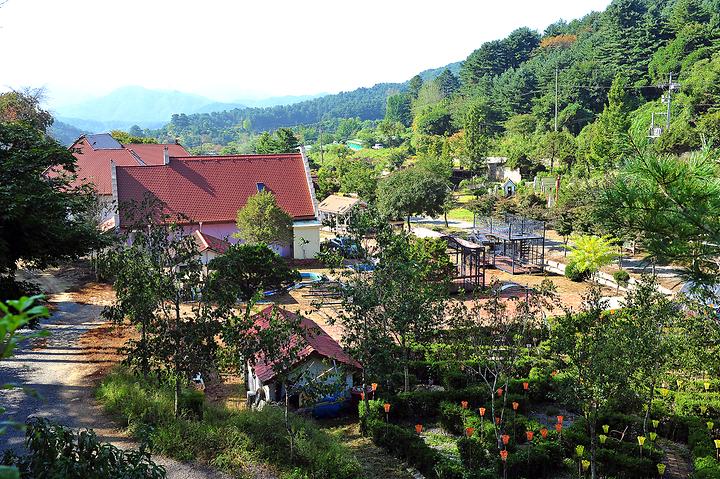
(103, 141)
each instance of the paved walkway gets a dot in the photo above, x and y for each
(677, 459)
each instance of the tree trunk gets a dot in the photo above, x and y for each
(406, 370)
(649, 407)
(409, 227)
(593, 447)
(143, 340)
(177, 397)
(446, 220)
(287, 423)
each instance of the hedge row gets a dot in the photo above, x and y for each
(403, 443)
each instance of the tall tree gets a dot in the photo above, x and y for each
(416, 83)
(448, 83)
(413, 191)
(24, 106)
(597, 352)
(398, 109)
(262, 220)
(401, 303)
(477, 133)
(160, 283)
(672, 204)
(45, 217)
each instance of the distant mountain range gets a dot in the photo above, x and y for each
(152, 109)
(134, 105)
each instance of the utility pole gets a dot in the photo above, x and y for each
(556, 99)
(667, 98)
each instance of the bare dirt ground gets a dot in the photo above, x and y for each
(58, 373)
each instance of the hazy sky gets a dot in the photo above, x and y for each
(228, 49)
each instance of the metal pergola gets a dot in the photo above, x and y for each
(516, 243)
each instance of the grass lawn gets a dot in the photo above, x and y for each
(461, 214)
(464, 198)
(375, 462)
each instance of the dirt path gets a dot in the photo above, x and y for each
(59, 370)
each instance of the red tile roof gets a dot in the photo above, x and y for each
(93, 165)
(205, 241)
(316, 341)
(211, 189)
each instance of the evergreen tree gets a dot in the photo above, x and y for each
(448, 83)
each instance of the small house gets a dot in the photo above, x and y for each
(320, 357)
(209, 247)
(509, 188)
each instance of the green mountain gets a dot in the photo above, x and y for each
(65, 134)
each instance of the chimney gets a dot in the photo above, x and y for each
(166, 156)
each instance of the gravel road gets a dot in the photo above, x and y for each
(55, 369)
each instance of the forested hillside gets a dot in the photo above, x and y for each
(225, 126)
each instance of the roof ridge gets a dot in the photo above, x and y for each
(230, 157)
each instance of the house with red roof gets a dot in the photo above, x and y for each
(208, 246)
(320, 357)
(96, 153)
(207, 192)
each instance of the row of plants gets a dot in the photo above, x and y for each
(229, 440)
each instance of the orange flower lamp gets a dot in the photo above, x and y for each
(544, 433)
(374, 386)
(526, 386)
(560, 419)
(418, 428)
(464, 404)
(558, 427)
(529, 435)
(482, 411)
(515, 405)
(498, 420)
(503, 455)
(505, 439)
(499, 392)
(387, 407)
(469, 431)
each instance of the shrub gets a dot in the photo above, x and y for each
(475, 454)
(573, 273)
(538, 460)
(403, 443)
(56, 451)
(621, 277)
(192, 401)
(452, 418)
(228, 439)
(625, 466)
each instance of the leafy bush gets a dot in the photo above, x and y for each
(227, 439)
(541, 459)
(403, 443)
(621, 277)
(452, 417)
(573, 273)
(475, 454)
(56, 451)
(625, 466)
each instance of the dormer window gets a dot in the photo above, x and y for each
(260, 187)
